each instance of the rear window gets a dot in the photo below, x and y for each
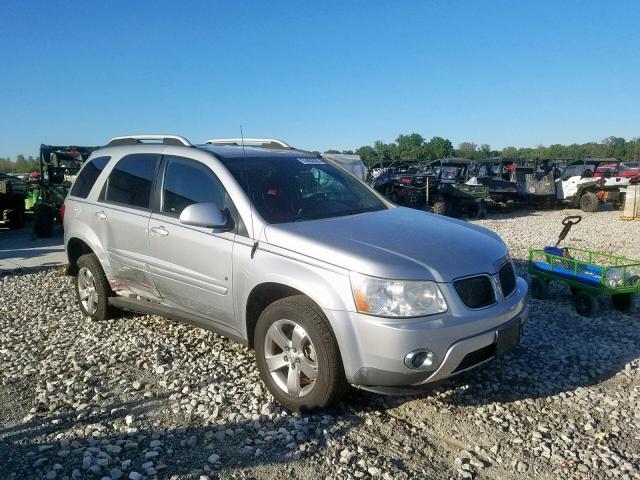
(290, 189)
(130, 181)
(88, 176)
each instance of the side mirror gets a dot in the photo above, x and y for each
(207, 215)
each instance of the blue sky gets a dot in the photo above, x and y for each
(318, 74)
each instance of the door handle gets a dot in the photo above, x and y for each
(160, 231)
(101, 215)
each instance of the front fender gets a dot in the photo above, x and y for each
(328, 287)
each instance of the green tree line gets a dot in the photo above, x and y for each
(20, 165)
(415, 148)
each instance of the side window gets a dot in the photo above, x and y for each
(187, 182)
(88, 176)
(130, 181)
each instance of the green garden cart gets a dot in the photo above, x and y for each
(587, 273)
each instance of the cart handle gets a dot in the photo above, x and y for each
(568, 222)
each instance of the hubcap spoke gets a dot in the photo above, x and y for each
(293, 381)
(278, 336)
(308, 368)
(298, 337)
(276, 362)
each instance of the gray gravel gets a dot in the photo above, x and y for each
(141, 397)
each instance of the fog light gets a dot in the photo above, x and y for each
(419, 360)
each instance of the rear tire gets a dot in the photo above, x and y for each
(509, 206)
(585, 304)
(589, 202)
(619, 205)
(622, 301)
(295, 327)
(92, 289)
(539, 288)
(43, 221)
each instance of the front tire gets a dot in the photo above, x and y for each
(92, 289)
(297, 355)
(589, 202)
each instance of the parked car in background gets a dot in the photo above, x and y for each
(623, 171)
(281, 250)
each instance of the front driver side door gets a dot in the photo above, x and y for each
(191, 266)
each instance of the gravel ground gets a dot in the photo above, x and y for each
(143, 397)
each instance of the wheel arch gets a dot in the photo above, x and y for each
(76, 247)
(260, 297)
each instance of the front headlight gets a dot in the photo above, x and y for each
(396, 298)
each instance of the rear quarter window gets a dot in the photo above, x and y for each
(88, 176)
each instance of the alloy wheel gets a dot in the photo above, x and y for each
(291, 357)
(87, 291)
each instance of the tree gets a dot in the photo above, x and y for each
(510, 152)
(467, 150)
(411, 147)
(485, 150)
(368, 155)
(439, 147)
(616, 147)
(332, 151)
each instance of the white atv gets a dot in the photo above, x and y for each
(580, 187)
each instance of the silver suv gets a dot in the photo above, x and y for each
(291, 255)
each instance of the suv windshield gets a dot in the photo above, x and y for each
(289, 189)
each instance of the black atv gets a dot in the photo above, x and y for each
(453, 195)
(500, 177)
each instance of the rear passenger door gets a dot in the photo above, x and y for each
(122, 220)
(191, 266)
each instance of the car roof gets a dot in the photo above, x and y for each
(237, 151)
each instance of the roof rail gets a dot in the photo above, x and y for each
(263, 142)
(154, 138)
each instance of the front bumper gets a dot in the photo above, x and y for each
(373, 349)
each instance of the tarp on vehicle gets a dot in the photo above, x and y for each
(352, 163)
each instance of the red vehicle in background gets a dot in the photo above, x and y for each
(631, 170)
(622, 170)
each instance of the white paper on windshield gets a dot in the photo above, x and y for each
(311, 161)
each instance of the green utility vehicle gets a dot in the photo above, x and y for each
(454, 195)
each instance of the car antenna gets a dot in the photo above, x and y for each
(253, 232)
(244, 155)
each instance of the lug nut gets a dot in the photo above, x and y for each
(286, 359)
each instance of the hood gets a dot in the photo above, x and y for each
(398, 243)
